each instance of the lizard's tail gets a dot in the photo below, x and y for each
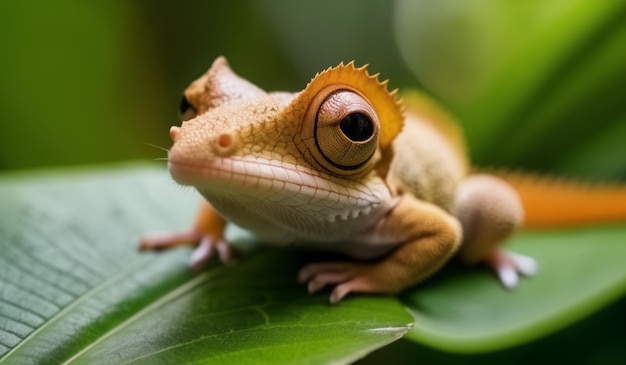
(550, 202)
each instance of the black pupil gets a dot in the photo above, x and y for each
(357, 127)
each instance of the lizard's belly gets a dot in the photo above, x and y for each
(277, 224)
(362, 249)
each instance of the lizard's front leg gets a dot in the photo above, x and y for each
(207, 233)
(430, 237)
(490, 212)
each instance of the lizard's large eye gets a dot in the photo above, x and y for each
(345, 132)
(187, 111)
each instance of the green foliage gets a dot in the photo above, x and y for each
(464, 310)
(85, 82)
(540, 82)
(75, 289)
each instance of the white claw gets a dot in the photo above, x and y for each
(508, 276)
(509, 266)
(225, 252)
(525, 265)
(202, 253)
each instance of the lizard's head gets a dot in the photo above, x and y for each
(323, 147)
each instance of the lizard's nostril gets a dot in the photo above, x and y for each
(224, 140)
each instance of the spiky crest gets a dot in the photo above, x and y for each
(385, 103)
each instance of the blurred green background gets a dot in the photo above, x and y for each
(539, 85)
(86, 82)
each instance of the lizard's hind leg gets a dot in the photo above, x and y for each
(490, 211)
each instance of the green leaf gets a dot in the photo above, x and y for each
(73, 287)
(466, 310)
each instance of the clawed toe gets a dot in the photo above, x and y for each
(201, 254)
(509, 266)
(321, 280)
(346, 277)
(207, 248)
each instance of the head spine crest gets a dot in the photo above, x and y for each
(387, 106)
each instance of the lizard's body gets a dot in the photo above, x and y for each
(338, 167)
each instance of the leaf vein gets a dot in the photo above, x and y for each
(173, 294)
(27, 310)
(45, 263)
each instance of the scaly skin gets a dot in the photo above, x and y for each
(337, 167)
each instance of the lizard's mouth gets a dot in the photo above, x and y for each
(280, 182)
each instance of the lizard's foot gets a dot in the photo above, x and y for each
(509, 265)
(346, 276)
(206, 246)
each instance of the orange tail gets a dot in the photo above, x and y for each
(551, 202)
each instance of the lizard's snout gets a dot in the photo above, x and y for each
(195, 142)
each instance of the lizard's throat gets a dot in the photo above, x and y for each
(278, 190)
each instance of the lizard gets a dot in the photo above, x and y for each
(346, 166)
